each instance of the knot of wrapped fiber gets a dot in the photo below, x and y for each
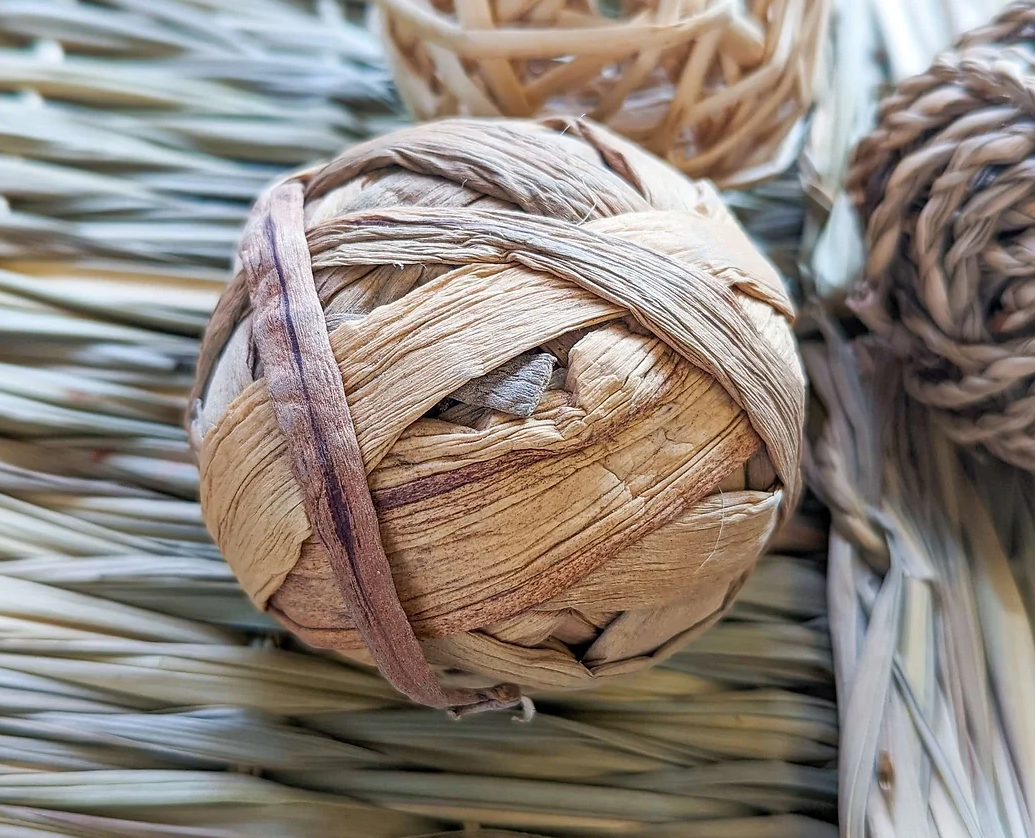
(497, 405)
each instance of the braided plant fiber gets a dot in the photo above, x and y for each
(509, 399)
(713, 87)
(945, 186)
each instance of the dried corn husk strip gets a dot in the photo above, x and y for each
(307, 396)
(516, 387)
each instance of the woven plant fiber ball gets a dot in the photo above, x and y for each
(497, 405)
(713, 87)
(945, 185)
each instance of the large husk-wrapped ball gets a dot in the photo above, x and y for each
(496, 405)
(713, 87)
(945, 185)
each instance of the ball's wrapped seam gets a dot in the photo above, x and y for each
(714, 88)
(945, 185)
(496, 404)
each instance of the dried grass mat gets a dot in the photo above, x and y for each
(140, 692)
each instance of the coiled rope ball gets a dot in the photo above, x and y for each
(945, 185)
(713, 87)
(496, 405)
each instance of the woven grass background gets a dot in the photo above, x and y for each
(140, 693)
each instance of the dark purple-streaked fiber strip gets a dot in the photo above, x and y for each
(309, 401)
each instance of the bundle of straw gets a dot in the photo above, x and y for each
(145, 130)
(933, 647)
(931, 557)
(930, 574)
(139, 688)
(140, 691)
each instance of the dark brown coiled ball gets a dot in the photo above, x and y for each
(945, 186)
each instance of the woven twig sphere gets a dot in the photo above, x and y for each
(713, 87)
(508, 399)
(945, 186)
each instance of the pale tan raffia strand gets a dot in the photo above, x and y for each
(713, 87)
(945, 185)
(548, 545)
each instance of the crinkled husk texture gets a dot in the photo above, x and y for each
(343, 430)
(713, 88)
(945, 185)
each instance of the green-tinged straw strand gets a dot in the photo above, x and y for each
(932, 644)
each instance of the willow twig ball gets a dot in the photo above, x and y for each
(497, 405)
(713, 87)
